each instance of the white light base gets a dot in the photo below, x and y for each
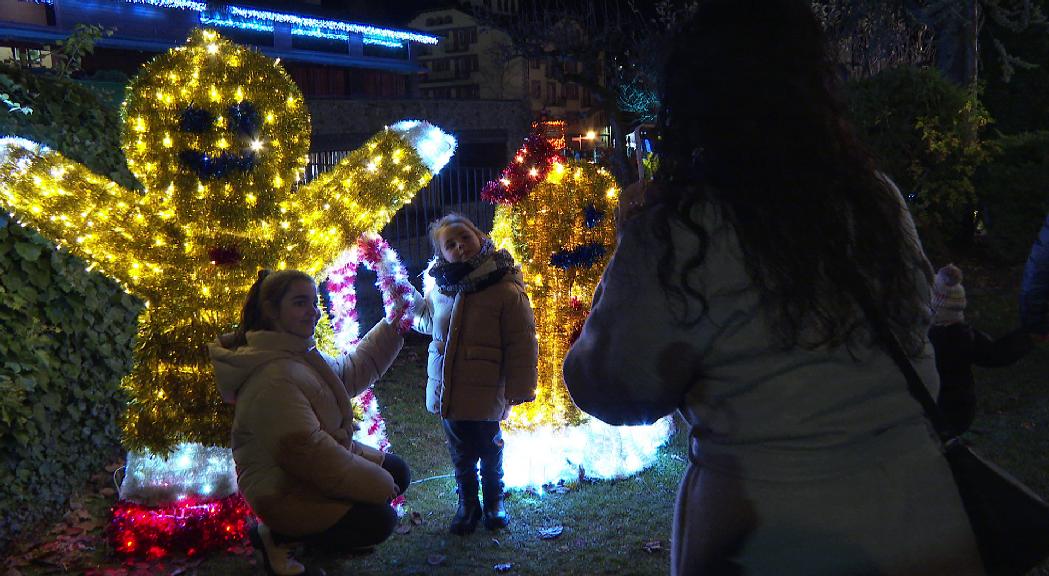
(191, 470)
(547, 455)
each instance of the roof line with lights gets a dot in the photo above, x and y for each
(263, 20)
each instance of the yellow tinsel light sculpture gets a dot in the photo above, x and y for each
(217, 134)
(562, 232)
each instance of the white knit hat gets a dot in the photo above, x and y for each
(948, 296)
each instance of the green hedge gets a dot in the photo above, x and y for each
(1014, 192)
(69, 118)
(925, 134)
(67, 334)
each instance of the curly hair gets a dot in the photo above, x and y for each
(751, 123)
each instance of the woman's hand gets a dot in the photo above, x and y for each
(635, 196)
(228, 340)
(632, 197)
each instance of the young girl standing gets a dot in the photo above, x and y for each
(297, 463)
(482, 360)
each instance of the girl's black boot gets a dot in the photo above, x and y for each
(469, 512)
(495, 516)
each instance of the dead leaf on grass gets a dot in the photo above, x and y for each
(551, 533)
(652, 546)
(108, 571)
(88, 522)
(417, 518)
(187, 566)
(241, 550)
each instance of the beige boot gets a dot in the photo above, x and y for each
(275, 560)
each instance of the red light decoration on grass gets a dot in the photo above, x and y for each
(191, 526)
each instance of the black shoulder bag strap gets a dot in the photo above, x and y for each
(1010, 521)
(892, 346)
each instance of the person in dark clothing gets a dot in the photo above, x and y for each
(959, 346)
(1034, 290)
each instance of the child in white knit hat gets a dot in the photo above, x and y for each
(948, 297)
(959, 346)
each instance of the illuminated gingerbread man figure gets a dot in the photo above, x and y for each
(557, 220)
(217, 135)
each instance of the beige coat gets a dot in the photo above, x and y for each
(484, 352)
(803, 461)
(297, 464)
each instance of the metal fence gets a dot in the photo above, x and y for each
(454, 189)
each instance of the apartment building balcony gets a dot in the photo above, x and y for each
(457, 48)
(447, 75)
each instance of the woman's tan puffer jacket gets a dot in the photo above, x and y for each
(297, 464)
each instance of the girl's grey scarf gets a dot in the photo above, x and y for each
(487, 267)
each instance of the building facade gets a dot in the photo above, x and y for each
(355, 77)
(471, 62)
(477, 61)
(327, 57)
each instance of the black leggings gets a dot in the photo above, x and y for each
(365, 525)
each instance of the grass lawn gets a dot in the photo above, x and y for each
(606, 525)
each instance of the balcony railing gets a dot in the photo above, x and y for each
(455, 189)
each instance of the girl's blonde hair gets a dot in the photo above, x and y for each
(448, 220)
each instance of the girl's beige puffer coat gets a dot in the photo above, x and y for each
(484, 352)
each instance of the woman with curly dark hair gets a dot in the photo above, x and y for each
(731, 299)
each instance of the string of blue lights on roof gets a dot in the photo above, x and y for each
(231, 16)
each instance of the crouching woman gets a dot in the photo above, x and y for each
(297, 464)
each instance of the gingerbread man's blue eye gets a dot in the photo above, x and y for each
(196, 120)
(592, 216)
(243, 119)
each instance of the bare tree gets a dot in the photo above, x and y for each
(612, 48)
(619, 45)
(872, 35)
